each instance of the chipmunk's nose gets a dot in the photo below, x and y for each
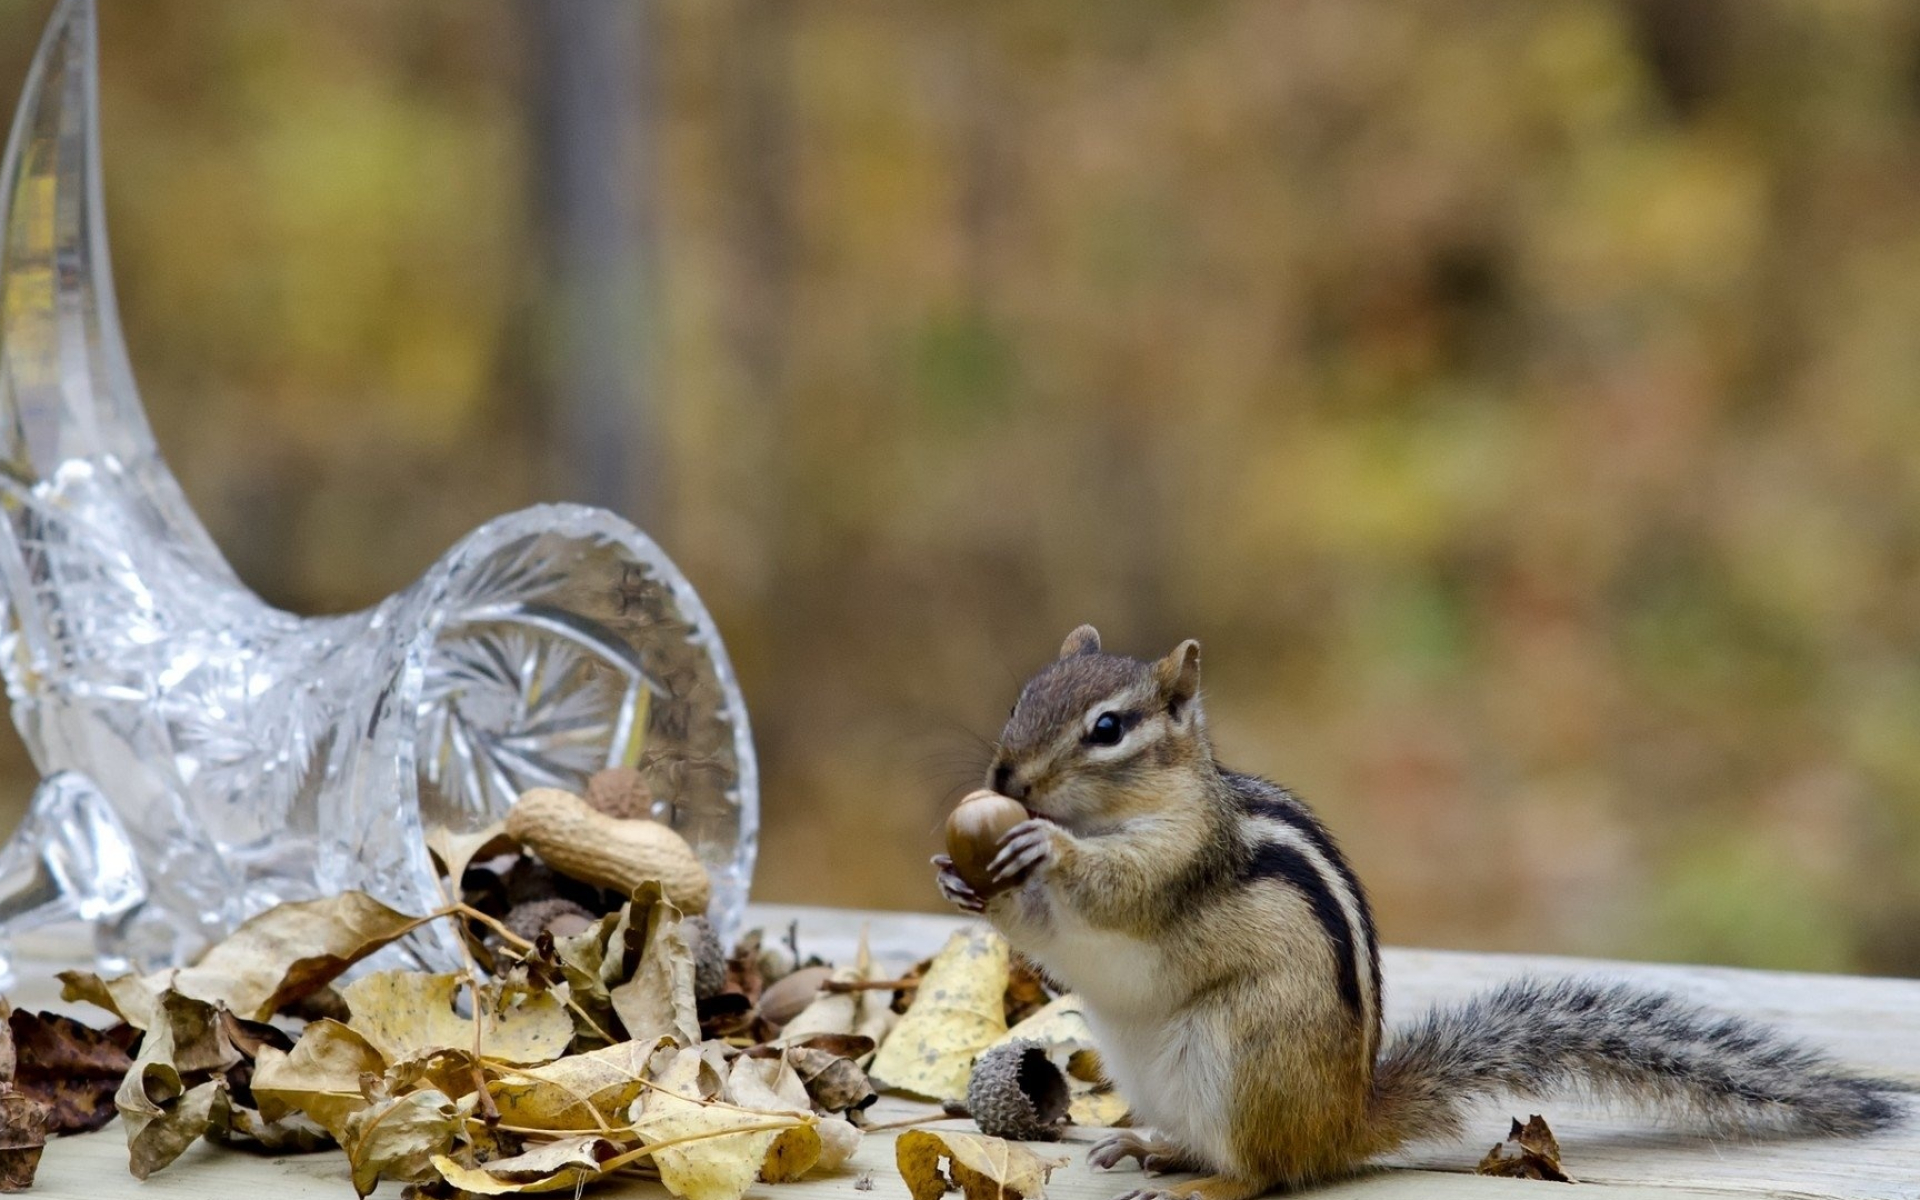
(1006, 785)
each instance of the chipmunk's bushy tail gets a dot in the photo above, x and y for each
(1532, 1037)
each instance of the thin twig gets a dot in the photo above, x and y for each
(869, 985)
(926, 1119)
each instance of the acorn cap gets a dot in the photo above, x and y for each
(709, 960)
(1017, 1093)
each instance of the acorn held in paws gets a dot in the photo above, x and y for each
(974, 830)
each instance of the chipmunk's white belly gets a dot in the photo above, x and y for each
(1114, 971)
(1173, 1073)
(1175, 1076)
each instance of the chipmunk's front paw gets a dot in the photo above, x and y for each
(1026, 850)
(955, 889)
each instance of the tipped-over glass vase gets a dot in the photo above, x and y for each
(208, 756)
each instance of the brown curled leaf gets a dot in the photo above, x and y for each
(70, 1067)
(23, 1134)
(1530, 1152)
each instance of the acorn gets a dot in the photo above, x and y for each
(1017, 1093)
(974, 830)
(621, 792)
(709, 960)
(783, 1000)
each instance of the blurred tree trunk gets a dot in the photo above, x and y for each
(593, 183)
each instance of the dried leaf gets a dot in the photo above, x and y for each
(453, 851)
(1530, 1152)
(550, 1167)
(288, 952)
(769, 1085)
(23, 1134)
(957, 1012)
(839, 1139)
(876, 1016)
(407, 1014)
(743, 967)
(159, 1132)
(1026, 990)
(985, 1168)
(581, 1092)
(72, 1068)
(173, 1092)
(294, 1133)
(581, 957)
(126, 996)
(657, 1001)
(793, 1153)
(320, 1076)
(1095, 1109)
(833, 1080)
(449, 1069)
(397, 1137)
(704, 1151)
(828, 1012)
(1060, 1025)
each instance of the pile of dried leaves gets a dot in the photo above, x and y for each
(620, 1044)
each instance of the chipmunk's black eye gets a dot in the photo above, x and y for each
(1106, 730)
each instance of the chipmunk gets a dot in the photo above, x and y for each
(1227, 961)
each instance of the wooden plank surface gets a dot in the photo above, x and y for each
(1871, 1023)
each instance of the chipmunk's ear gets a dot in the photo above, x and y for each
(1178, 675)
(1084, 640)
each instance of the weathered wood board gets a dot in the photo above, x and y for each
(1872, 1023)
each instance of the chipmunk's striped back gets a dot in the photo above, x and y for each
(1286, 842)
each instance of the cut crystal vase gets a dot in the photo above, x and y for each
(206, 755)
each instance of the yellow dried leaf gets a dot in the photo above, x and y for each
(658, 1000)
(827, 1012)
(1061, 1025)
(1096, 1108)
(876, 1018)
(957, 1013)
(397, 1137)
(406, 1014)
(985, 1168)
(551, 1167)
(569, 1093)
(455, 850)
(707, 1151)
(289, 951)
(320, 1076)
(127, 996)
(770, 1085)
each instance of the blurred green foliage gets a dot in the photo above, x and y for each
(1520, 401)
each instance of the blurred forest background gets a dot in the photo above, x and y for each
(1520, 401)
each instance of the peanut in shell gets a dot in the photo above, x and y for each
(578, 841)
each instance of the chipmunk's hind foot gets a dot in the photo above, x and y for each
(1156, 1155)
(1211, 1187)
